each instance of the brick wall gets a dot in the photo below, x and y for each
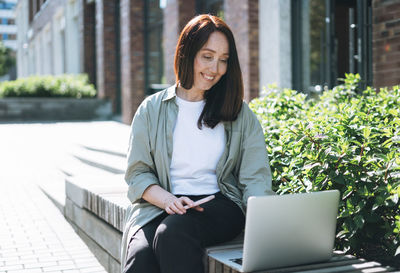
(253, 47)
(132, 57)
(177, 14)
(170, 37)
(242, 18)
(186, 12)
(89, 41)
(386, 42)
(106, 50)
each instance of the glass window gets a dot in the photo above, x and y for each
(309, 45)
(330, 38)
(214, 7)
(153, 34)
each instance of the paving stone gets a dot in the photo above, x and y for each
(40, 264)
(12, 262)
(67, 262)
(59, 267)
(5, 259)
(51, 258)
(94, 269)
(12, 267)
(28, 261)
(36, 270)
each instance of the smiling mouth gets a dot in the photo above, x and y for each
(209, 78)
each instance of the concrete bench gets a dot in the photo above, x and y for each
(96, 206)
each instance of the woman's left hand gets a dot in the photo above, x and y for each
(175, 205)
(165, 200)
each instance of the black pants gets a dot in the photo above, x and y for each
(175, 243)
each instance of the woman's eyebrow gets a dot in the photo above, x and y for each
(209, 49)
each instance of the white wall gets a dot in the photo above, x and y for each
(275, 43)
(31, 60)
(59, 40)
(48, 49)
(72, 37)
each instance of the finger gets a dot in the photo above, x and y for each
(187, 201)
(198, 208)
(178, 204)
(169, 211)
(175, 209)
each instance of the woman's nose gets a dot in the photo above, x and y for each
(214, 67)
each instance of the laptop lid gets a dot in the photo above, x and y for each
(292, 229)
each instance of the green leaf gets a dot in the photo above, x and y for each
(359, 220)
(393, 112)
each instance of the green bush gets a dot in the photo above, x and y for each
(71, 86)
(345, 141)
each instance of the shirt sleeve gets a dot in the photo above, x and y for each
(140, 172)
(254, 173)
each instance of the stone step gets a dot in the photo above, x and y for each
(113, 162)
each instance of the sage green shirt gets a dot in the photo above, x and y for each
(242, 171)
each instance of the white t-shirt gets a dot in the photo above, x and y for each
(195, 152)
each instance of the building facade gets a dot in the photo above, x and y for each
(8, 33)
(127, 46)
(8, 28)
(49, 39)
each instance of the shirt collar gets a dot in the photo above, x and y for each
(171, 93)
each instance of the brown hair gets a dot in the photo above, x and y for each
(224, 99)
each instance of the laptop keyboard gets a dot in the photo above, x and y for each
(238, 260)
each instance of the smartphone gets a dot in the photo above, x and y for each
(201, 201)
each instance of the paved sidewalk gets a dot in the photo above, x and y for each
(34, 235)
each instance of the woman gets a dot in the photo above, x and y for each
(191, 140)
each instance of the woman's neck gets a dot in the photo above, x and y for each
(189, 94)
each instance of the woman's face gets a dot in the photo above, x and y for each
(211, 62)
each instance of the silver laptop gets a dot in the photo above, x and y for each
(285, 230)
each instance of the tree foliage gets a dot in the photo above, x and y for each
(7, 59)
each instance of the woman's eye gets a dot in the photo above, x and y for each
(224, 60)
(207, 57)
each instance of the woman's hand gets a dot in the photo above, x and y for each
(173, 205)
(165, 200)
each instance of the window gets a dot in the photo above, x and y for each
(153, 39)
(6, 5)
(214, 7)
(330, 38)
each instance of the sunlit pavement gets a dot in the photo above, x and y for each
(34, 235)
